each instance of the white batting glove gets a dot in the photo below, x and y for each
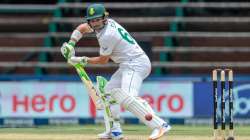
(67, 50)
(75, 60)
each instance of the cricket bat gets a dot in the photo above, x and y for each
(88, 83)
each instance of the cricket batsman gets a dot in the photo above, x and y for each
(124, 85)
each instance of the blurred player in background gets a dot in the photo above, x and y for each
(134, 66)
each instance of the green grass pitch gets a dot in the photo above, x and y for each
(131, 132)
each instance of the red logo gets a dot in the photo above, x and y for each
(40, 103)
(173, 102)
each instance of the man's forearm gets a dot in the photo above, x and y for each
(97, 60)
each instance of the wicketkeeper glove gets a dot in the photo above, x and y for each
(67, 50)
(75, 60)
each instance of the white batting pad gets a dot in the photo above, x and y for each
(107, 122)
(146, 105)
(112, 122)
(136, 107)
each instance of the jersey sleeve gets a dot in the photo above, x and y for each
(108, 44)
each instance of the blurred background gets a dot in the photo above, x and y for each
(185, 40)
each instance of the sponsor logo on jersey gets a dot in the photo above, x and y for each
(104, 48)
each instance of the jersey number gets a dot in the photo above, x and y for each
(126, 36)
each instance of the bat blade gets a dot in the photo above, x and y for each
(88, 83)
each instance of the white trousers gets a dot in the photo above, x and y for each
(130, 75)
(129, 78)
